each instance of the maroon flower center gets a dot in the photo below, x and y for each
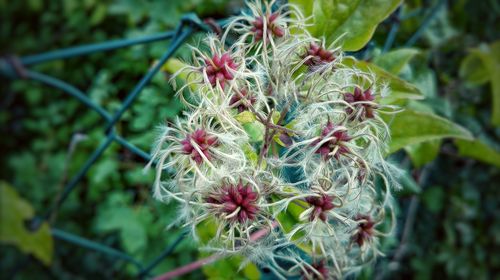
(322, 204)
(219, 69)
(319, 267)
(336, 138)
(238, 203)
(272, 27)
(203, 141)
(318, 55)
(365, 229)
(360, 96)
(241, 100)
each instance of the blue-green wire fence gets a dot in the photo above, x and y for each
(16, 68)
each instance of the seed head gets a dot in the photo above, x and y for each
(360, 96)
(365, 229)
(242, 100)
(334, 145)
(318, 55)
(319, 268)
(322, 205)
(238, 203)
(203, 141)
(220, 68)
(273, 29)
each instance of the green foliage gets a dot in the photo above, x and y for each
(483, 65)
(478, 149)
(15, 212)
(395, 60)
(352, 21)
(224, 268)
(424, 152)
(412, 127)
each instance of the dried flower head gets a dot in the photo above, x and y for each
(266, 24)
(331, 142)
(317, 55)
(198, 144)
(283, 141)
(237, 203)
(219, 69)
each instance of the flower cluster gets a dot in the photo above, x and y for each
(281, 135)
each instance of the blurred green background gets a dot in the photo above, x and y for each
(448, 223)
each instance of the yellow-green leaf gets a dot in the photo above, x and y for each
(255, 130)
(245, 117)
(15, 211)
(394, 61)
(173, 66)
(411, 127)
(355, 20)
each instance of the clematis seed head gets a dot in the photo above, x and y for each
(273, 29)
(219, 69)
(203, 141)
(318, 55)
(334, 145)
(364, 231)
(237, 203)
(322, 205)
(360, 96)
(242, 100)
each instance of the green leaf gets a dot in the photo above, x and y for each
(410, 127)
(15, 211)
(478, 149)
(226, 268)
(473, 70)
(255, 130)
(394, 61)
(115, 215)
(355, 20)
(400, 89)
(229, 268)
(433, 199)
(423, 153)
(490, 58)
(290, 217)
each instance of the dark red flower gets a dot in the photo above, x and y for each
(365, 229)
(220, 69)
(336, 140)
(272, 27)
(360, 96)
(203, 140)
(241, 104)
(239, 202)
(322, 205)
(320, 268)
(318, 55)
